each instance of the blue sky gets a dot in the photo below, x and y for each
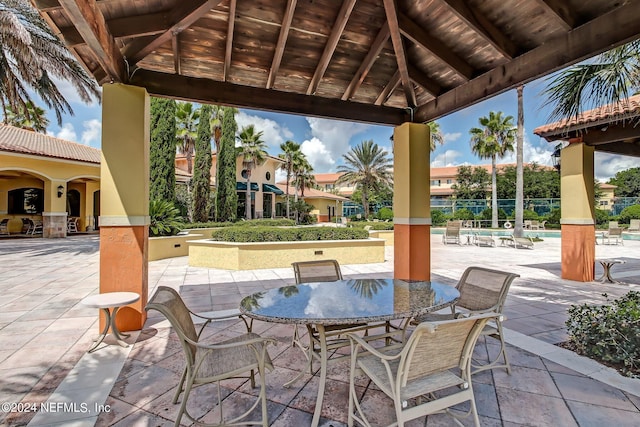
(326, 141)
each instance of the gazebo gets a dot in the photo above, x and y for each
(394, 62)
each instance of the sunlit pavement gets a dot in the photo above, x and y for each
(45, 332)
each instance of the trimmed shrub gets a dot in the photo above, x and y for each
(384, 214)
(463, 213)
(629, 213)
(602, 217)
(438, 217)
(373, 225)
(251, 223)
(293, 234)
(528, 214)
(610, 332)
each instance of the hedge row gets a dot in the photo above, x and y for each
(373, 225)
(271, 234)
(251, 223)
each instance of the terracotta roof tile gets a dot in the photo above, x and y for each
(311, 193)
(28, 142)
(607, 113)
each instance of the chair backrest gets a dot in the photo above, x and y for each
(527, 223)
(634, 225)
(484, 289)
(615, 232)
(613, 224)
(453, 228)
(439, 346)
(168, 302)
(325, 270)
(4, 221)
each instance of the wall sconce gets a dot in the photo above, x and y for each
(555, 157)
(60, 191)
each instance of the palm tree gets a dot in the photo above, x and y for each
(290, 153)
(436, 136)
(519, 166)
(253, 151)
(493, 140)
(368, 167)
(607, 79)
(186, 130)
(30, 56)
(29, 116)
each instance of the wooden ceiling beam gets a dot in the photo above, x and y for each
(47, 5)
(388, 89)
(175, 44)
(367, 62)
(622, 148)
(131, 26)
(481, 25)
(332, 43)
(398, 47)
(562, 11)
(611, 29)
(229, 46)
(416, 34)
(181, 17)
(282, 42)
(92, 26)
(424, 81)
(223, 93)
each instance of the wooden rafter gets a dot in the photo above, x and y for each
(481, 25)
(367, 63)
(92, 27)
(390, 87)
(229, 46)
(424, 81)
(332, 42)
(581, 43)
(185, 14)
(398, 47)
(47, 5)
(282, 41)
(175, 45)
(223, 93)
(562, 11)
(416, 34)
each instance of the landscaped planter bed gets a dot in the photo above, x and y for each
(249, 256)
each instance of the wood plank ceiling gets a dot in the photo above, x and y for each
(378, 61)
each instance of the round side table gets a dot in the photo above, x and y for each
(109, 303)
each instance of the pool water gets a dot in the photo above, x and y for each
(527, 233)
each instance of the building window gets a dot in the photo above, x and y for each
(268, 176)
(26, 201)
(329, 186)
(449, 181)
(435, 183)
(73, 203)
(604, 203)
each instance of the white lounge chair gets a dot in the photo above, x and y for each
(634, 225)
(452, 232)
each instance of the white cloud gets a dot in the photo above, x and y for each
(318, 155)
(607, 165)
(273, 133)
(452, 137)
(448, 158)
(67, 132)
(92, 132)
(70, 93)
(334, 136)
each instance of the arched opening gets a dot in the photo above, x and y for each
(73, 203)
(25, 201)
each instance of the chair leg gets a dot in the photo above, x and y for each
(183, 405)
(176, 396)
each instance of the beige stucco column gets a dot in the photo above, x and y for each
(411, 204)
(124, 198)
(54, 216)
(577, 205)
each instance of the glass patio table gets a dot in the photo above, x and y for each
(321, 305)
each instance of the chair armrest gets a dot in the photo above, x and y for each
(357, 341)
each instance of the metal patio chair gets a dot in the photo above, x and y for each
(4, 226)
(429, 374)
(452, 232)
(482, 290)
(208, 362)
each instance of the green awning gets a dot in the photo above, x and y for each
(242, 186)
(269, 188)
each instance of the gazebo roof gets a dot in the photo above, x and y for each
(375, 61)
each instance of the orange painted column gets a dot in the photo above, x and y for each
(411, 202)
(124, 199)
(578, 213)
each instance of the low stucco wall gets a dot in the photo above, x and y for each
(170, 246)
(249, 256)
(386, 235)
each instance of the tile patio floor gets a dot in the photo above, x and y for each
(44, 334)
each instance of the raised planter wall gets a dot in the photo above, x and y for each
(170, 246)
(249, 256)
(386, 235)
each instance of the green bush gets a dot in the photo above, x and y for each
(553, 219)
(463, 213)
(602, 217)
(373, 225)
(486, 214)
(165, 219)
(629, 213)
(610, 332)
(384, 214)
(528, 214)
(438, 217)
(282, 222)
(293, 234)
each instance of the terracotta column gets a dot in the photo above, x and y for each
(411, 204)
(577, 205)
(124, 198)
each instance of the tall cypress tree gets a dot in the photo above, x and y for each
(202, 170)
(226, 196)
(163, 150)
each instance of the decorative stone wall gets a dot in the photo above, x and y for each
(54, 225)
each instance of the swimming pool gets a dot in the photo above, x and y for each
(527, 233)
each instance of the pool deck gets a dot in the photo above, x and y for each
(45, 332)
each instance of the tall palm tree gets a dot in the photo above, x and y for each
(520, 166)
(607, 79)
(493, 140)
(290, 153)
(186, 130)
(304, 177)
(368, 167)
(29, 116)
(253, 151)
(436, 136)
(30, 56)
